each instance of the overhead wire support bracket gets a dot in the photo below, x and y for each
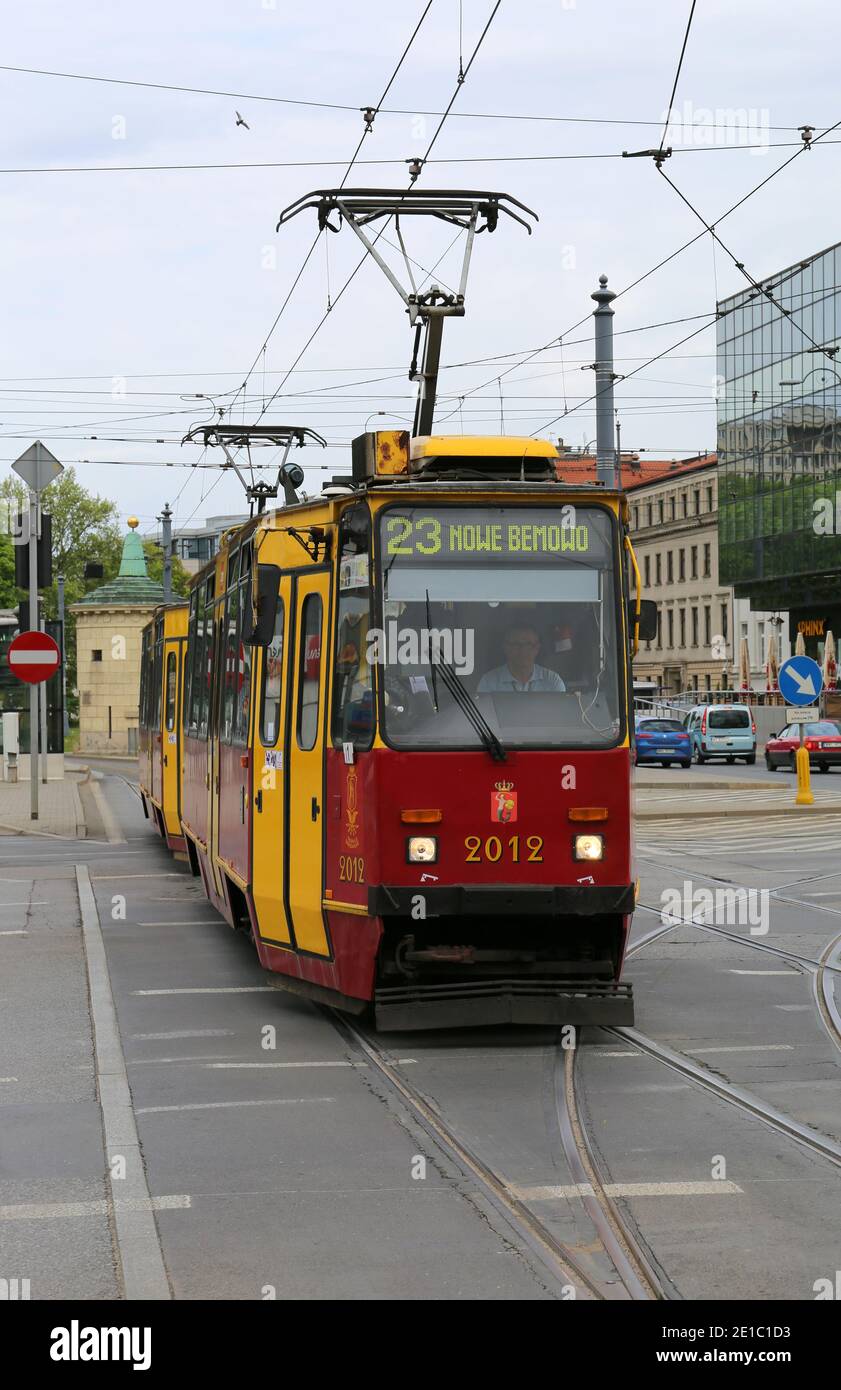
(471, 210)
(231, 437)
(657, 155)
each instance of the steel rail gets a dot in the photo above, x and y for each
(562, 1262)
(737, 1096)
(619, 1242)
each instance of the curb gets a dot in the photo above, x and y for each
(704, 814)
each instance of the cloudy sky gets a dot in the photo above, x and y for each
(125, 290)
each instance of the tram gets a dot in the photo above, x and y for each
(403, 762)
(163, 643)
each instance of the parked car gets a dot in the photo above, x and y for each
(662, 741)
(822, 740)
(721, 731)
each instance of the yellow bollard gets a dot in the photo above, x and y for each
(804, 788)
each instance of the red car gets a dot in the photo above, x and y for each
(822, 739)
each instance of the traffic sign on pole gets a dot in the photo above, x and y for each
(37, 466)
(34, 657)
(800, 680)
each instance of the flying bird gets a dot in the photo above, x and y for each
(240, 121)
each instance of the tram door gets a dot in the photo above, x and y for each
(268, 884)
(305, 742)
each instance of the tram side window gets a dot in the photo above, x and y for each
(157, 683)
(353, 699)
(171, 689)
(205, 659)
(230, 665)
(309, 672)
(144, 682)
(272, 683)
(244, 659)
(189, 659)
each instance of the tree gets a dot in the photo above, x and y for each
(84, 529)
(155, 569)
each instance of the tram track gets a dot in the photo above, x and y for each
(630, 1277)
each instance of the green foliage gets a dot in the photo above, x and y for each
(155, 568)
(8, 592)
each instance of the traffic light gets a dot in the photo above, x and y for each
(45, 556)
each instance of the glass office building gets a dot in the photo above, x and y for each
(779, 445)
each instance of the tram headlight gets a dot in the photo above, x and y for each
(588, 847)
(421, 849)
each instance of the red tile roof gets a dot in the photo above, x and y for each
(636, 471)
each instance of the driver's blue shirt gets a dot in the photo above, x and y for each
(500, 679)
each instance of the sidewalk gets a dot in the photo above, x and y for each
(59, 808)
(685, 798)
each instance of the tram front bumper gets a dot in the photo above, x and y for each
(445, 900)
(488, 1003)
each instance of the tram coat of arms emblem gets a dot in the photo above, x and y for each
(503, 803)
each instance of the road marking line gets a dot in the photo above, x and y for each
(599, 1052)
(49, 1211)
(106, 878)
(629, 1189)
(790, 974)
(203, 922)
(794, 1008)
(136, 1235)
(19, 932)
(232, 1104)
(217, 989)
(44, 902)
(745, 1047)
(184, 1033)
(8, 1078)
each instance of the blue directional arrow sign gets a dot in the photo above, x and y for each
(800, 680)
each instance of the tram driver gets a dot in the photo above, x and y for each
(520, 671)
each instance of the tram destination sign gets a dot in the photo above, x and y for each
(499, 535)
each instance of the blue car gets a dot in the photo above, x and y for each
(662, 741)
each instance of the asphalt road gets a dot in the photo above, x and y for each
(277, 1162)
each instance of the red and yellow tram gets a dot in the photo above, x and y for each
(163, 643)
(405, 739)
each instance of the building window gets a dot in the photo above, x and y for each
(658, 577)
(694, 627)
(694, 562)
(671, 618)
(647, 567)
(708, 684)
(673, 501)
(682, 617)
(659, 629)
(636, 518)
(96, 654)
(669, 567)
(650, 514)
(724, 621)
(710, 501)
(684, 503)
(697, 501)
(660, 510)
(707, 561)
(708, 624)
(681, 564)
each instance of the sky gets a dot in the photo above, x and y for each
(127, 294)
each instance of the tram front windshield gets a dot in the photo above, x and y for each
(498, 623)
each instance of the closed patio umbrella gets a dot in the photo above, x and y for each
(744, 665)
(830, 671)
(800, 645)
(773, 666)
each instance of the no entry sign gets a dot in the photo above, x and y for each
(34, 657)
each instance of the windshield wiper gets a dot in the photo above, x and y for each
(471, 711)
